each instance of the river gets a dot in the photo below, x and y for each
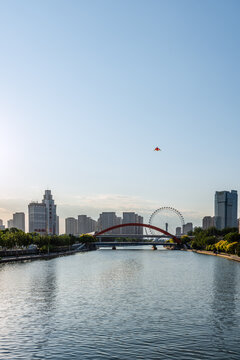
(126, 304)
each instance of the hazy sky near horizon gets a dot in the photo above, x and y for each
(89, 88)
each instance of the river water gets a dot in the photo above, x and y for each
(126, 304)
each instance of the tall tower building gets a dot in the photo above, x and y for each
(19, 221)
(139, 230)
(10, 223)
(207, 222)
(82, 224)
(129, 217)
(57, 225)
(86, 224)
(71, 226)
(187, 227)
(178, 231)
(37, 218)
(106, 220)
(51, 216)
(226, 205)
(118, 222)
(2, 227)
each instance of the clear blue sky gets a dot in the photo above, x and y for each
(89, 88)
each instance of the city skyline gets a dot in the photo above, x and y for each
(85, 101)
(65, 211)
(62, 222)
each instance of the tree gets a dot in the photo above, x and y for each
(228, 230)
(232, 247)
(212, 231)
(86, 238)
(210, 240)
(197, 230)
(185, 239)
(232, 237)
(9, 240)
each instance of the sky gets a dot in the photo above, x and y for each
(89, 88)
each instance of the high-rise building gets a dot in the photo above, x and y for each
(51, 216)
(2, 227)
(118, 222)
(106, 220)
(92, 225)
(208, 222)
(37, 218)
(71, 226)
(19, 221)
(86, 224)
(187, 227)
(226, 204)
(57, 225)
(109, 219)
(42, 216)
(178, 231)
(82, 224)
(132, 217)
(10, 223)
(139, 229)
(129, 217)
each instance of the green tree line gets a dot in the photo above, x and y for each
(212, 239)
(14, 238)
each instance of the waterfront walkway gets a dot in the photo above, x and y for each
(223, 255)
(31, 257)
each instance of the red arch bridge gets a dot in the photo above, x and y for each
(99, 235)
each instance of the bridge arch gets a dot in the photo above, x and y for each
(139, 225)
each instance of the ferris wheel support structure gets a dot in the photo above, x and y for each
(166, 208)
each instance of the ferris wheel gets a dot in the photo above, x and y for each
(166, 218)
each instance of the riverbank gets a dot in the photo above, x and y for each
(223, 255)
(32, 257)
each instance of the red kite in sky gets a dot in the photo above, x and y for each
(157, 149)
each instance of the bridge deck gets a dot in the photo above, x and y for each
(139, 243)
(132, 236)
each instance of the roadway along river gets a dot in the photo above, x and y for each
(122, 304)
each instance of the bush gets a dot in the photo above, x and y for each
(210, 247)
(232, 247)
(221, 245)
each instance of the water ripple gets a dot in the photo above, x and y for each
(121, 305)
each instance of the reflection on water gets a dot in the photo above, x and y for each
(43, 286)
(225, 304)
(121, 305)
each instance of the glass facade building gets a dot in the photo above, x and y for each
(226, 209)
